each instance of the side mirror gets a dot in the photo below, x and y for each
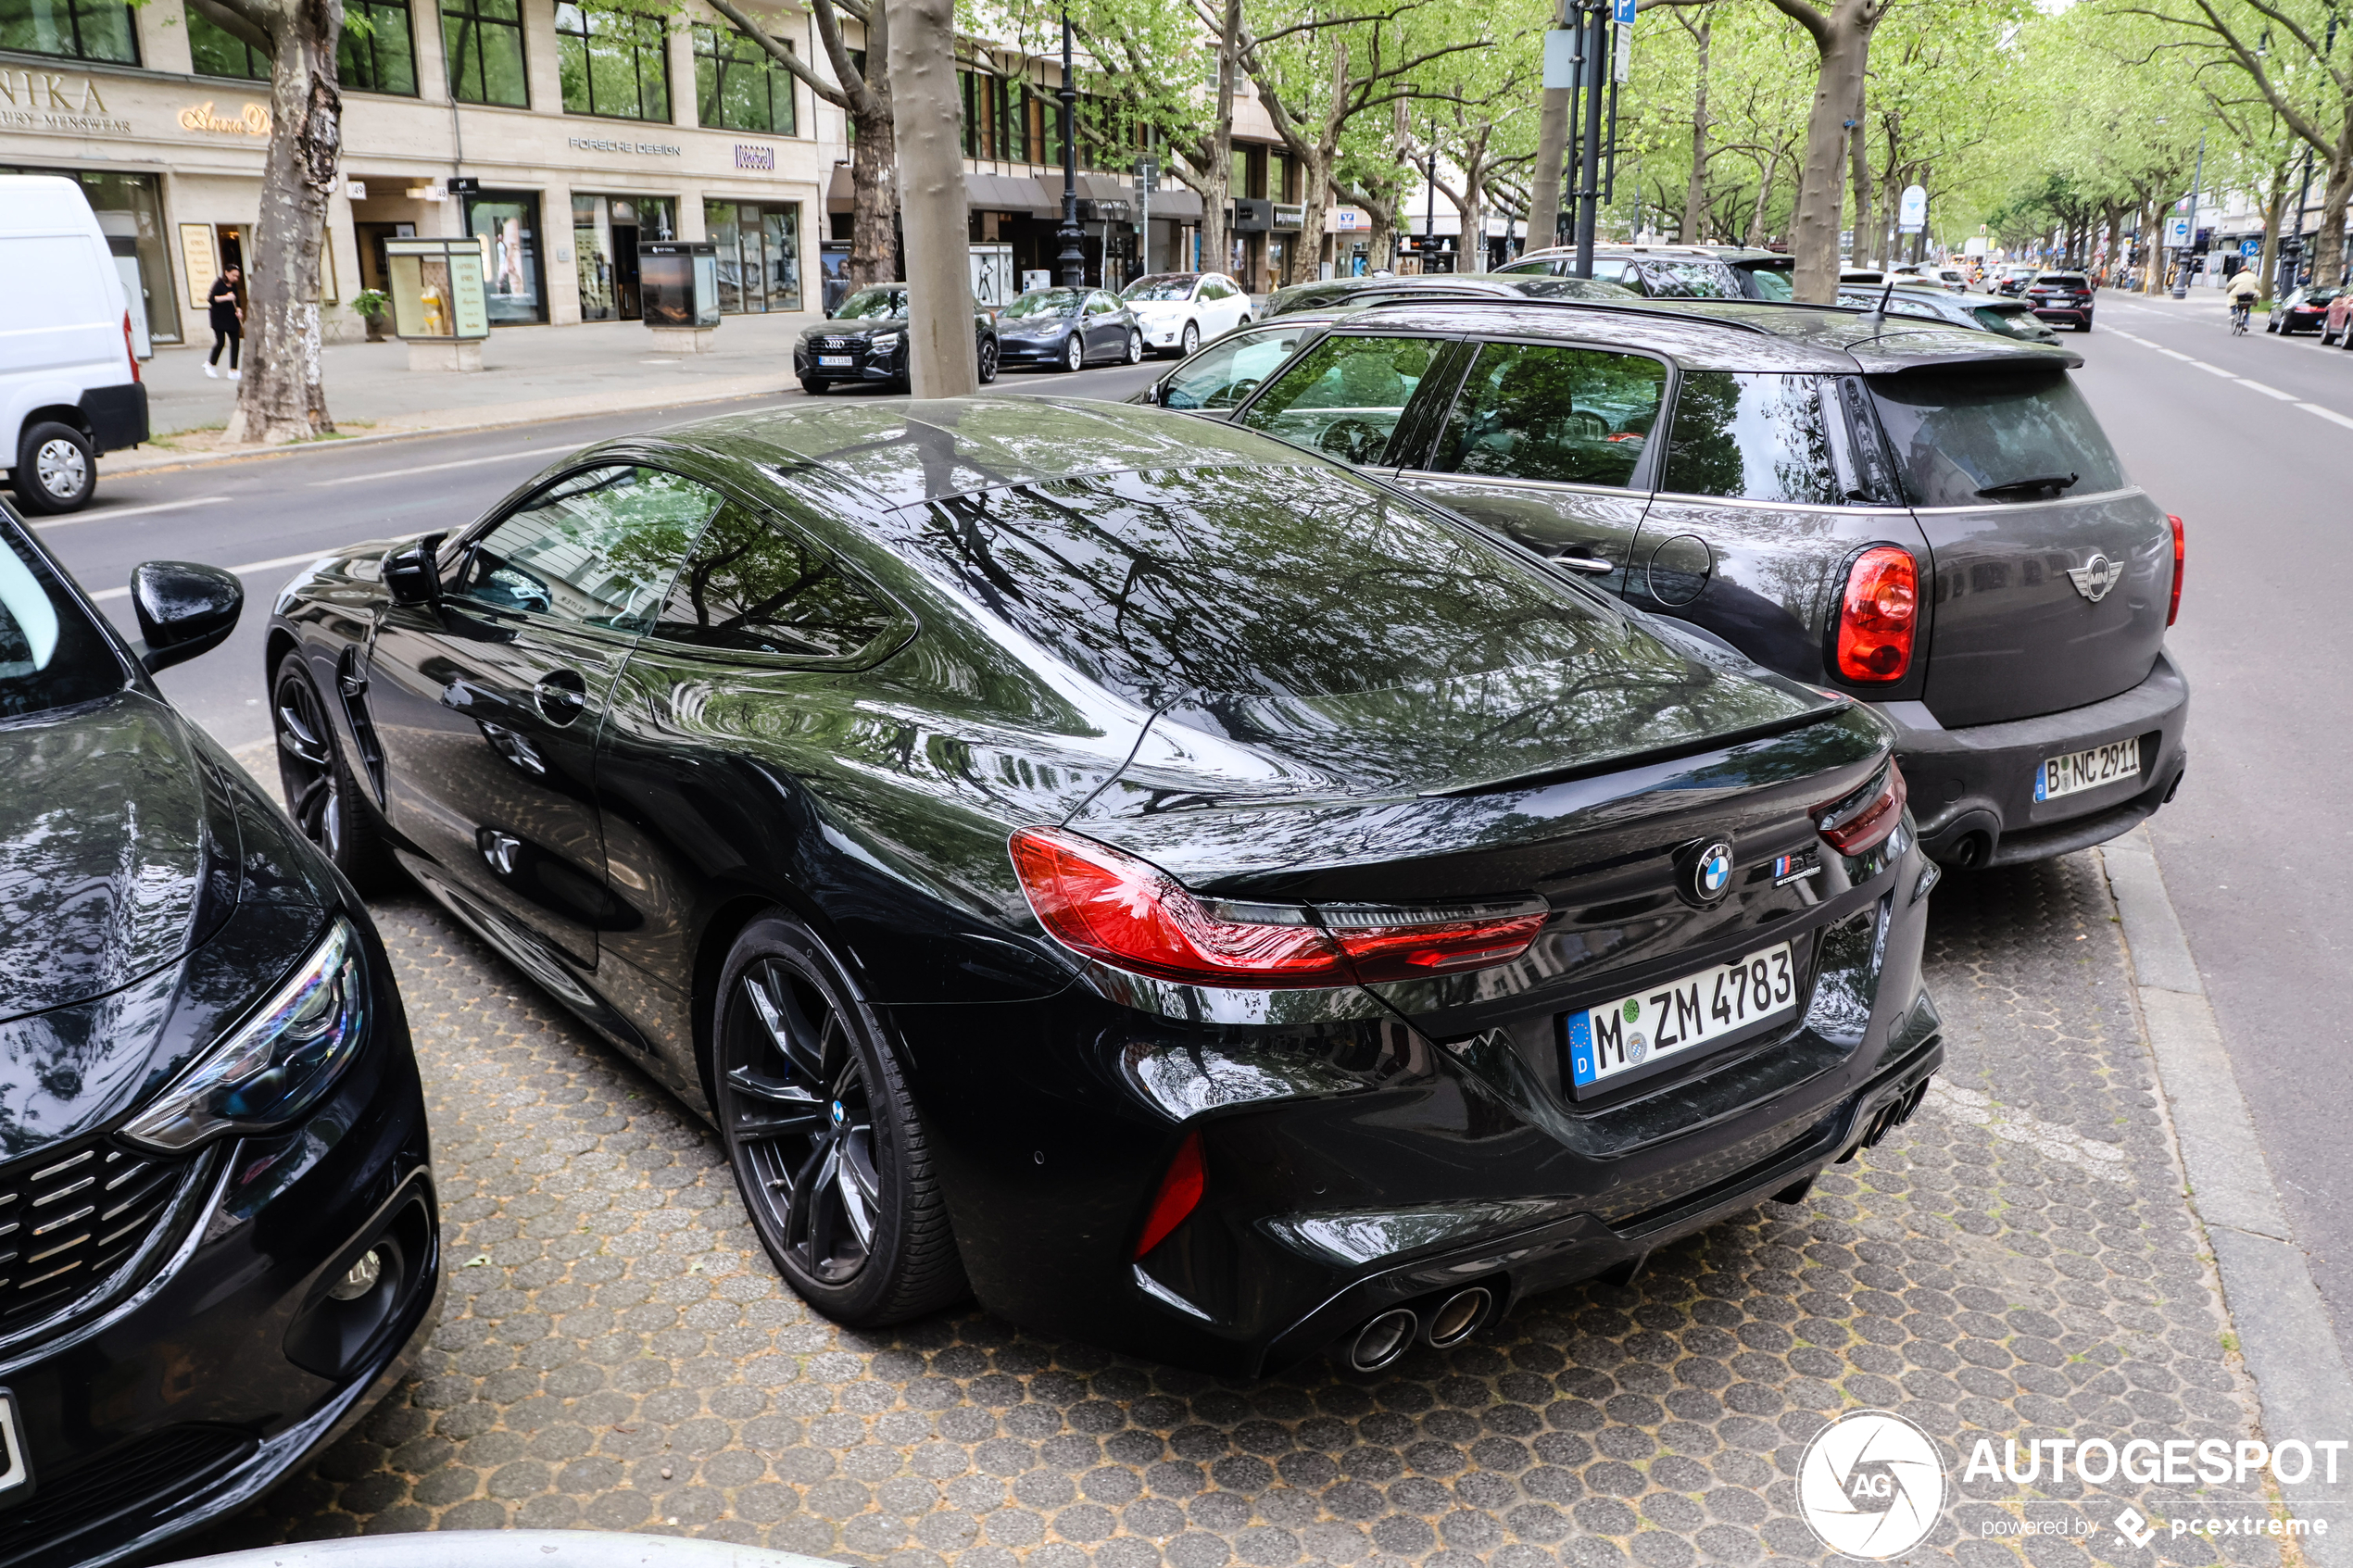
(183, 609)
(410, 575)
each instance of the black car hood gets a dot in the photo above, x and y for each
(146, 892)
(864, 327)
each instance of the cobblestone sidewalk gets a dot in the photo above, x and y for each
(617, 1351)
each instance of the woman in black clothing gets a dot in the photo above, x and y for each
(227, 322)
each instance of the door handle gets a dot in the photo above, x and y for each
(1592, 564)
(562, 696)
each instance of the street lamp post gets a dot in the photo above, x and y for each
(1589, 190)
(1429, 201)
(1072, 260)
(2182, 275)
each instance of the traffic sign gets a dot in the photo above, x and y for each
(2177, 230)
(1911, 210)
(1622, 12)
(2250, 248)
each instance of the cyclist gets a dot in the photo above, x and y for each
(2244, 290)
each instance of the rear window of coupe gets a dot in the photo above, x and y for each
(1977, 439)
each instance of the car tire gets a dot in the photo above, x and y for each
(823, 1135)
(2272, 324)
(2084, 325)
(1189, 340)
(985, 361)
(1074, 353)
(323, 795)
(1135, 346)
(814, 387)
(1243, 323)
(57, 469)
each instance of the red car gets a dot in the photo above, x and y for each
(2303, 310)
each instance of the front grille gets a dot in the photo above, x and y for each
(72, 1215)
(122, 1493)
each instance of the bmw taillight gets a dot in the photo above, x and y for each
(1132, 915)
(1179, 1193)
(1878, 616)
(1863, 819)
(2180, 559)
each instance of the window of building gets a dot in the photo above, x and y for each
(739, 86)
(515, 288)
(376, 53)
(613, 63)
(218, 52)
(606, 231)
(759, 246)
(81, 29)
(484, 40)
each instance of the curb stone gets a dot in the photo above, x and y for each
(2284, 1331)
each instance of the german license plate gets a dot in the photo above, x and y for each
(835, 361)
(16, 1474)
(1637, 1031)
(2080, 770)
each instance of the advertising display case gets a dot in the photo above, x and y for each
(679, 283)
(439, 305)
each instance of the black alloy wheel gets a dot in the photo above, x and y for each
(1135, 346)
(825, 1141)
(985, 367)
(1075, 352)
(1190, 340)
(323, 795)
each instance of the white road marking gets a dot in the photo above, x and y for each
(2268, 391)
(109, 516)
(245, 571)
(2215, 370)
(2063, 1144)
(435, 468)
(2329, 414)
(2173, 353)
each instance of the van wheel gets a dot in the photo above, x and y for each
(57, 470)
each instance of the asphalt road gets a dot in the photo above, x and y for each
(265, 517)
(2247, 439)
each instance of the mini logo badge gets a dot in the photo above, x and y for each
(2096, 577)
(1707, 871)
(1871, 1485)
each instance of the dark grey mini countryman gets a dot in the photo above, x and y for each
(1925, 517)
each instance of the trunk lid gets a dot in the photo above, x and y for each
(2051, 574)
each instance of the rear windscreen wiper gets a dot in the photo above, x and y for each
(2056, 481)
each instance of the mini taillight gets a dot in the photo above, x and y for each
(2180, 559)
(1878, 616)
(1864, 819)
(1132, 915)
(1180, 1188)
(129, 349)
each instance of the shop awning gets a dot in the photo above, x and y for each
(1040, 197)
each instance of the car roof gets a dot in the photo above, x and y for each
(1727, 334)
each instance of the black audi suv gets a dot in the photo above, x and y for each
(1197, 898)
(217, 1238)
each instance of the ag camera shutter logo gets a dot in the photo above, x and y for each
(1871, 1485)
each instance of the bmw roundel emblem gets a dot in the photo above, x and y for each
(1707, 871)
(838, 1114)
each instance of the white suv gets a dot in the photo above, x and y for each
(70, 385)
(1179, 312)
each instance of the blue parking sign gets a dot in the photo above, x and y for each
(1622, 12)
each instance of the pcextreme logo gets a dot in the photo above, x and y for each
(1871, 1485)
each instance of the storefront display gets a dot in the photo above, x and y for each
(437, 289)
(681, 285)
(606, 232)
(759, 253)
(510, 220)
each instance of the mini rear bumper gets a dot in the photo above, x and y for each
(1972, 790)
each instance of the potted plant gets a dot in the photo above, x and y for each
(373, 303)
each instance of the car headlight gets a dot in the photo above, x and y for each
(882, 343)
(276, 1064)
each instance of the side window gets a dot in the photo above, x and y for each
(752, 587)
(1573, 415)
(1100, 304)
(597, 548)
(1753, 437)
(1345, 397)
(1229, 370)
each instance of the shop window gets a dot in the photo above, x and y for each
(606, 231)
(613, 63)
(740, 87)
(759, 246)
(81, 29)
(376, 53)
(218, 52)
(507, 222)
(484, 40)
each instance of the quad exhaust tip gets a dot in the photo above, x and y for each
(1382, 1339)
(1457, 1316)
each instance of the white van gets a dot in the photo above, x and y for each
(70, 385)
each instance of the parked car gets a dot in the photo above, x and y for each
(1763, 274)
(2011, 318)
(2012, 280)
(1654, 271)
(2064, 298)
(1224, 372)
(2302, 311)
(865, 340)
(1044, 842)
(220, 1230)
(1179, 312)
(1362, 294)
(1069, 328)
(2332, 328)
(1950, 279)
(69, 386)
(1928, 518)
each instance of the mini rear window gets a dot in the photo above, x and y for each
(1994, 437)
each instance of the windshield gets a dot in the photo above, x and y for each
(1700, 279)
(50, 654)
(872, 304)
(1161, 285)
(1045, 302)
(1977, 439)
(1228, 370)
(1771, 280)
